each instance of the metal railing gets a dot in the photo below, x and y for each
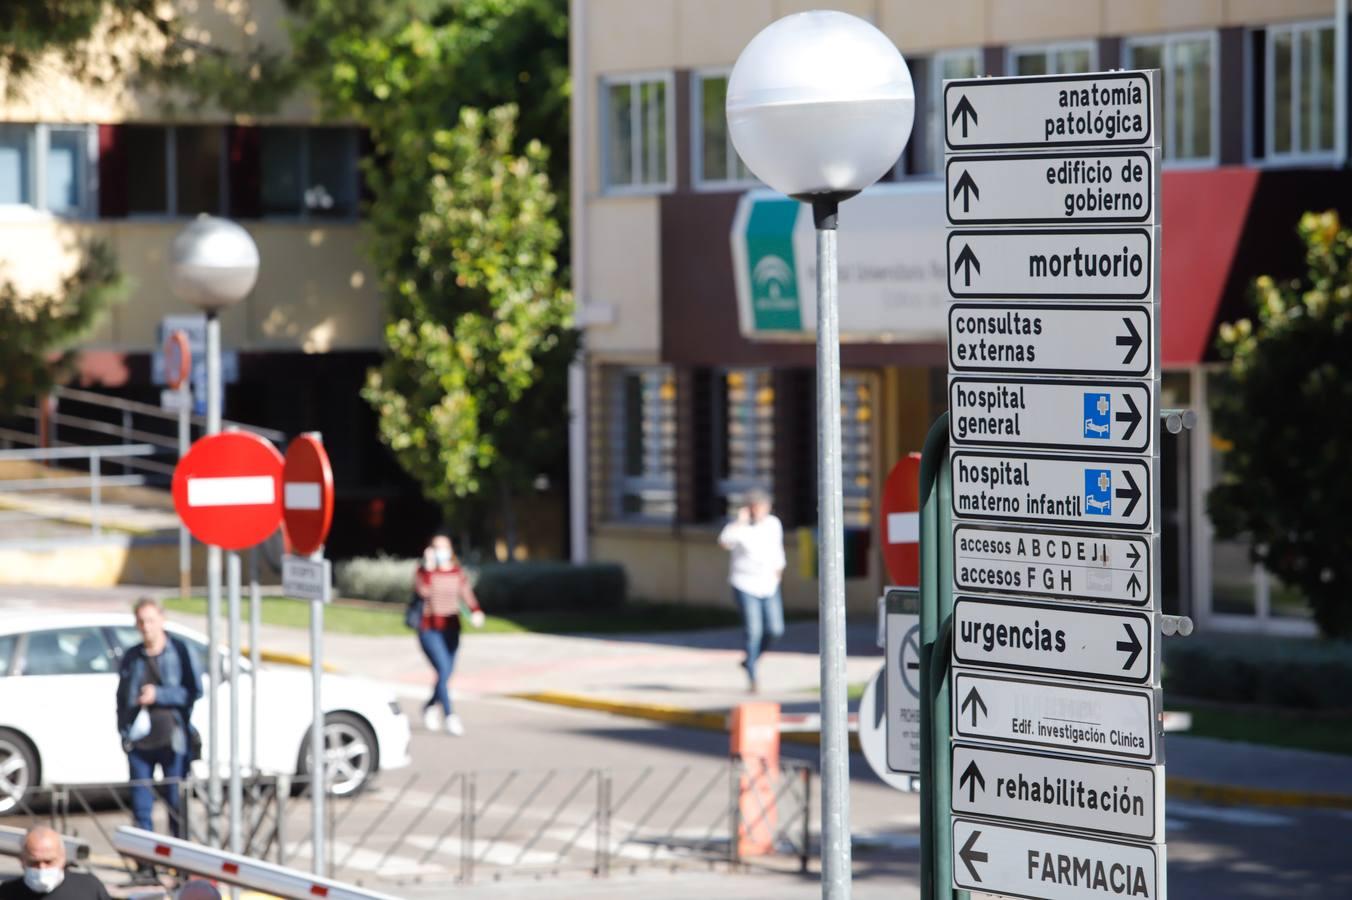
(94, 483)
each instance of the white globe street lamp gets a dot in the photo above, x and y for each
(213, 264)
(819, 106)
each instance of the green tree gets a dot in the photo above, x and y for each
(36, 329)
(1284, 408)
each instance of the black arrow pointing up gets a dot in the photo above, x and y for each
(968, 259)
(967, 187)
(1134, 584)
(964, 109)
(1133, 417)
(1131, 493)
(1131, 646)
(1132, 340)
(1134, 554)
(971, 775)
(969, 856)
(973, 699)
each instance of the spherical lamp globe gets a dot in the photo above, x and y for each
(213, 263)
(820, 104)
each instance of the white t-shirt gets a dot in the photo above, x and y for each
(757, 555)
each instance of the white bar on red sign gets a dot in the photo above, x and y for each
(903, 528)
(239, 490)
(301, 495)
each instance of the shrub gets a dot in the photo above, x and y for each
(501, 587)
(1268, 671)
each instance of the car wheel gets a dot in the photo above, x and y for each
(351, 754)
(18, 770)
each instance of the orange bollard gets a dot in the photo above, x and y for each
(755, 740)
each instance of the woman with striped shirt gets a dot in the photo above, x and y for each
(443, 585)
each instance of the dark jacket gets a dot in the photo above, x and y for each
(181, 688)
(76, 886)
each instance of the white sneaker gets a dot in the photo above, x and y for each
(431, 718)
(454, 725)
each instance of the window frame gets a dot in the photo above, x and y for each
(1165, 41)
(39, 144)
(621, 483)
(1269, 87)
(725, 487)
(697, 179)
(635, 79)
(352, 160)
(171, 210)
(1014, 51)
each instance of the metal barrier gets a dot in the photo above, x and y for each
(233, 868)
(95, 482)
(11, 844)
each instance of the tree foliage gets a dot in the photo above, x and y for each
(1284, 409)
(36, 329)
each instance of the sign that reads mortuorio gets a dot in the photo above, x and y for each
(1043, 865)
(1053, 264)
(1058, 715)
(1054, 639)
(1051, 339)
(1100, 109)
(1051, 415)
(1099, 492)
(1107, 797)
(1056, 565)
(1049, 188)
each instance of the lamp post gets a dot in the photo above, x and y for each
(820, 106)
(213, 264)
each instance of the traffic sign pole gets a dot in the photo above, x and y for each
(213, 594)
(236, 786)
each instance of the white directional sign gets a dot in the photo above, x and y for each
(1051, 339)
(1100, 109)
(902, 683)
(1043, 865)
(1112, 798)
(1064, 716)
(306, 579)
(1052, 415)
(1053, 264)
(1057, 565)
(1054, 639)
(1049, 188)
(1099, 492)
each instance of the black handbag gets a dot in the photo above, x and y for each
(413, 613)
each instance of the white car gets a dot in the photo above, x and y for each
(58, 709)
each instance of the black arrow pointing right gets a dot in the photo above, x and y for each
(1132, 646)
(971, 775)
(1131, 340)
(973, 699)
(969, 855)
(964, 109)
(967, 187)
(968, 259)
(1133, 417)
(1134, 554)
(1131, 493)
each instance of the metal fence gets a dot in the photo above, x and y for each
(463, 827)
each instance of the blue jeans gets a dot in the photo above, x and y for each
(762, 624)
(440, 647)
(173, 766)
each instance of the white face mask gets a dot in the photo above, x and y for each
(443, 557)
(43, 881)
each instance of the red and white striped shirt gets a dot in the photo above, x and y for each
(442, 591)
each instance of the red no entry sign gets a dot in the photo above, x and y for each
(901, 522)
(307, 494)
(227, 490)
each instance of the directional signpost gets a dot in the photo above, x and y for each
(1053, 780)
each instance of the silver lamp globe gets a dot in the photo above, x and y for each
(820, 103)
(213, 263)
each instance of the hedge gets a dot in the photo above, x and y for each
(1268, 671)
(500, 587)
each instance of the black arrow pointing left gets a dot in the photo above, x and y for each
(1131, 646)
(1131, 493)
(969, 855)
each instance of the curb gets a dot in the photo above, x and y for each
(287, 659)
(1178, 788)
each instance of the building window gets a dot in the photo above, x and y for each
(16, 165)
(1052, 59)
(67, 171)
(716, 162)
(857, 395)
(643, 444)
(636, 145)
(1187, 64)
(943, 66)
(309, 172)
(745, 426)
(173, 170)
(45, 167)
(1301, 91)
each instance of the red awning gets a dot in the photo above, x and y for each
(1204, 213)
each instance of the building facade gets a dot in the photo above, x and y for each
(694, 389)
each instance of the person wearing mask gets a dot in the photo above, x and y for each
(441, 585)
(158, 684)
(43, 856)
(755, 539)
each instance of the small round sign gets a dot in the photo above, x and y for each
(177, 359)
(901, 521)
(873, 733)
(227, 489)
(307, 494)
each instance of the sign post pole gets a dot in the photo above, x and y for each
(232, 569)
(255, 657)
(177, 368)
(318, 782)
(213, 593)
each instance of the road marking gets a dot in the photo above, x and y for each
(1233, 816)
(301, 495)
(239, 490)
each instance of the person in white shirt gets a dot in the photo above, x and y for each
(756, 540)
